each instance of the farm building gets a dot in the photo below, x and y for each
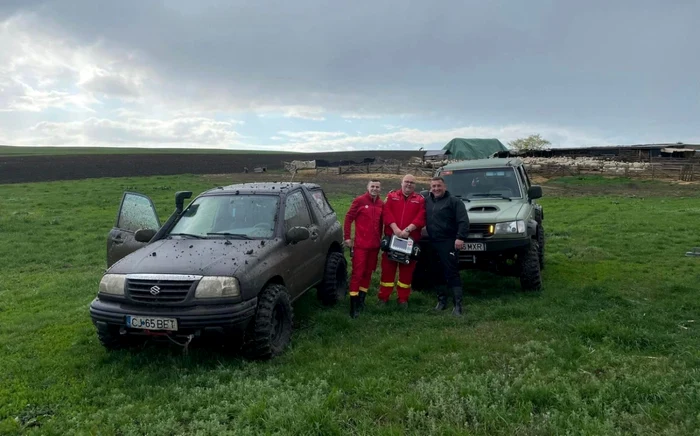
(639, 152)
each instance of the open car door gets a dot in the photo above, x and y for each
(136, 212)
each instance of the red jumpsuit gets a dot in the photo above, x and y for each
(403, 211)
(367, 215)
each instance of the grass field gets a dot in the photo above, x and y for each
(7, 150)
(611, 345)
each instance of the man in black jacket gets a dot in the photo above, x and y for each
(447, 228)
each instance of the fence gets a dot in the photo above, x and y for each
(376, 169)
(657, 170)
(685, 170)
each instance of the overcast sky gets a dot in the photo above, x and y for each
(323, 75)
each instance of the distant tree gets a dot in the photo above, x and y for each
(532, 142)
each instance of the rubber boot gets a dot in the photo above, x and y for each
(362, 300)
(354, 306)
(457, 292)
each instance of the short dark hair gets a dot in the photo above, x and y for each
(435, 179)
(375, 181)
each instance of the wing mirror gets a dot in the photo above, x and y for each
(144, 235)
(180, 197)
(534, 192)
(297, 234)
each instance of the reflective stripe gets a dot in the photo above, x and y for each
(363, 289)
(354, 294)
(387, 284)
(403, 285)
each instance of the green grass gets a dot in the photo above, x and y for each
(610, 346)
(7, 150)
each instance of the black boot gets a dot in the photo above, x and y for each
(457, 293)
(442, 302)
(442, 298)
(354, 306)
(362, 300)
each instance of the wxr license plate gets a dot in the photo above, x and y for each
(151, 323)
(474, 246)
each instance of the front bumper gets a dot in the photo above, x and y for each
(224, 318)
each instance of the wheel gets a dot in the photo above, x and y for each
(530, 278)
(113, 341)
(335, 279)
(540, 243)
(271, 329)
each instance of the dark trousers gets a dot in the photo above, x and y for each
(444, 263)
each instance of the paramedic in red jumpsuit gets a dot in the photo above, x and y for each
(404, 216)
(366, 212)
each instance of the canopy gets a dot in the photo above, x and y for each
(473, 148)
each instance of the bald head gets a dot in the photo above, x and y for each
(408, 184)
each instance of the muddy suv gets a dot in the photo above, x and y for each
(230, 263)
(506, 232)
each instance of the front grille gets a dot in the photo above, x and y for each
(483, 229)
(158, 290)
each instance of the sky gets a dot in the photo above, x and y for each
(332, 76)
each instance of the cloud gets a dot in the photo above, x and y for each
(408, 138)
(180, 132)
(100, 81)
(534, 67)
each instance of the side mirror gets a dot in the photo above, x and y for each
(144, 235)
(180, 197)
(534, 192)
(297, 234)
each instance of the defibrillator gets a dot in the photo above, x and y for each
(400, 250)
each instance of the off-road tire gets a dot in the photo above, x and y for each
(270, 331)
(113, 341)
(334, 286)
(530, 277)
(540, 243)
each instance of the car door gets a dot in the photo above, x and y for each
(304, 266)
(136, 211)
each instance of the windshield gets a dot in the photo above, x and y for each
(229, 216)
(483, 183)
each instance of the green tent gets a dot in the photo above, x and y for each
(473, 148)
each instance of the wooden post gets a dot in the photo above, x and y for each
(340, 170)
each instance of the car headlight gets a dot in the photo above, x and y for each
(510, 227)
(112, 284)
(217, 287)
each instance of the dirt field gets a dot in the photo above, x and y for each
(23, 169)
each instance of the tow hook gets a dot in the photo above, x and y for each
(185, 346)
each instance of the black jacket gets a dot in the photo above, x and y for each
(446, 217)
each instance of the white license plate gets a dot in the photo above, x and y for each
(474, 246)
(151, 323)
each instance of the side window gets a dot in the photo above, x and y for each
(296, 213)
(137, 212)
(322, 202)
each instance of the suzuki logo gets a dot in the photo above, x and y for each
(155, 290)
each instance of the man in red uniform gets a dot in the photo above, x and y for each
(404, 216)
(366, 212)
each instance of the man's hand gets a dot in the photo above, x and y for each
(459, 244)
(397, 231)
(348, 243)
(404, 234)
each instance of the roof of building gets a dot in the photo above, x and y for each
(483, 163)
